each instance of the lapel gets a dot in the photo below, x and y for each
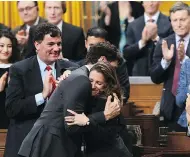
(188, 49)
(23, 27)
(64, 32)
(58, 69)
(160, 24)
(140, 26)
(173, 41)
(35, 75)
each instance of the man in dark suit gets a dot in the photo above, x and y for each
(169, 54)
(31, 83)
(29, 13)
(142, 35)
(72, 36)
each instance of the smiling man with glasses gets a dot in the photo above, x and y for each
(28, 11)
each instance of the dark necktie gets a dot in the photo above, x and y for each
(48, 68)
(151, 20)
(176, 72)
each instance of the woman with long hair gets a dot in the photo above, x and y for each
(102, 140)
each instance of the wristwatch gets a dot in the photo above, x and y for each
(87, 123)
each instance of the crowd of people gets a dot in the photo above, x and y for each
(61, 93)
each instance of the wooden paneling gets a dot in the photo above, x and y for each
(145, 96)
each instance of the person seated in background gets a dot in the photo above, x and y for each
(115, 17)
(72, 36)
(9, 54)
(142, 36)
(29, 13)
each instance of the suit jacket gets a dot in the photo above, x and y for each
(25, 83)
(142, 58)
(23, 49)
(159, 75)
(73, 47)
(51, 123)
(114, 29)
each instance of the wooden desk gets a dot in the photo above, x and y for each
(149, 127)
(178, 146)
(144, 93)
(3, 134)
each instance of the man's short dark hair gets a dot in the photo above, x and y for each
(97, 32)
(44, 29)
(180, 6)
(102, 49)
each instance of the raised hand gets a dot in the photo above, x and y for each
(181, 51)
(22, 37)
(48, 86)
(167, 53)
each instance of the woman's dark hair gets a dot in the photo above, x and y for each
(110, 76)
(15, 51)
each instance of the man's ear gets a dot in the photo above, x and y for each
(102, 58)
(37, 45)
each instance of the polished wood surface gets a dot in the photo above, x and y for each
(145, 96)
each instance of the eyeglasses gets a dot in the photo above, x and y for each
(27, 9)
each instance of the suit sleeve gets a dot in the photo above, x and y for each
(131, 50)
(106, 130)
(18, 105)
(157, 73)
(78, 96)
(182, 87)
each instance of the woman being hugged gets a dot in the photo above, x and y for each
(102, 140)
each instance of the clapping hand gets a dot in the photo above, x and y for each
(3, 81)
(167, 53)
